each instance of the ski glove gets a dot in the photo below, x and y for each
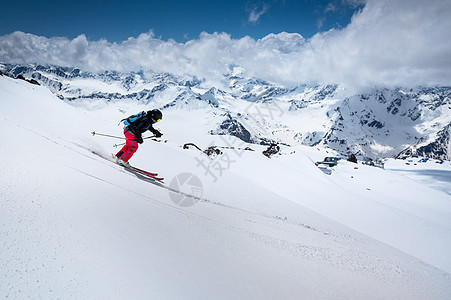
(139, 139)
(157, 134)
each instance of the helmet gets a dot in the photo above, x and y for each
(155, 115)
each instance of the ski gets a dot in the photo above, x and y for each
(140, 171)
(146, 173)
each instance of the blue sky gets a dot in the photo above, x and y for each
(177, 19)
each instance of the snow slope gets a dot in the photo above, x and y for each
(74, 225)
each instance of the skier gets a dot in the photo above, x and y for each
(134, 127)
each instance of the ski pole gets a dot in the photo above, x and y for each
(147, 137)
(117, 145)
(107, 135)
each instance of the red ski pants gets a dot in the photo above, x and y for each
(130, 147)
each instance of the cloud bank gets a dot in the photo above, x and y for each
(388, 43)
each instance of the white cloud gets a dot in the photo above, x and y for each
(330, 7)
(400, 42)
(256, 11)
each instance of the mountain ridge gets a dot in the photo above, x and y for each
(378, 123)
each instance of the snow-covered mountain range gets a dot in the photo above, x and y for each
(75, 225)
(375, 123)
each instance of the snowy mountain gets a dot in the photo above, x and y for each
(75, 225)
(378, 123)
(386, 121)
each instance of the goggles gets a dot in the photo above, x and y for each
(157, 120)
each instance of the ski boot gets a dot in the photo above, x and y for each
(123, 163)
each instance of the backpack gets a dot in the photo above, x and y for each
(128, 121)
